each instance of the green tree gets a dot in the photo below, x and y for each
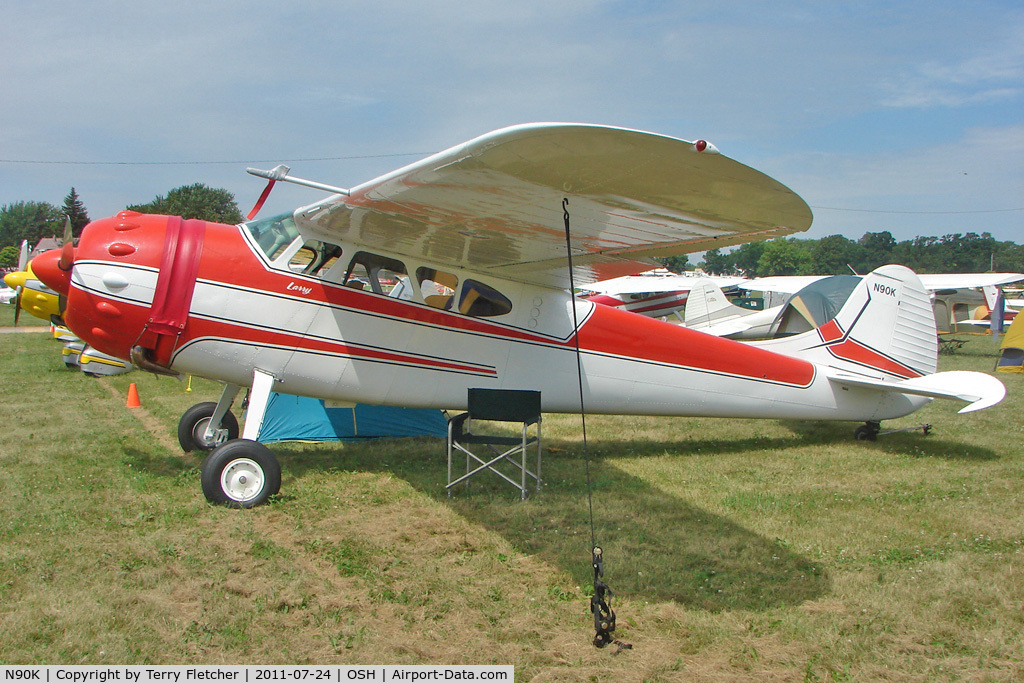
(75, 210)
(970, 253)
(29, 221)
(9, 257)
(785, 257)
(922, 255)
(195, 201)
(877, 249)
(746, 257)
(1008, 258)
(676, 264)
(834, 255)
(716, 263)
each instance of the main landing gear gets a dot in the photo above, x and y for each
(238, 472)
(871, 430)
(867, 431)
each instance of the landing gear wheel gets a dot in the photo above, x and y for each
(192, 427)
(240, 474)
(866, 432)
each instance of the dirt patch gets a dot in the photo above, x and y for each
(152, 425)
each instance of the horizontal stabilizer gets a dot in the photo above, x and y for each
(976, 388)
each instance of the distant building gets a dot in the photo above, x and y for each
(45, 244)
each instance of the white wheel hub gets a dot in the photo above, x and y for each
(242, 479)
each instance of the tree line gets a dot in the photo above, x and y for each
(33, 221)
(833, 255)
(838, 255)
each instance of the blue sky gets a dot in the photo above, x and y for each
(898, 116)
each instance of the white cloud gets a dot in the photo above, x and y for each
(992, 72)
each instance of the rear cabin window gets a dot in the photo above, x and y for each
(437, 287)
(379, 274)
(481, 301)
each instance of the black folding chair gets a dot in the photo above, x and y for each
(497, 405)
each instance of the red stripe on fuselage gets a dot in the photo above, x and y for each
(618, 333)
(201, 328)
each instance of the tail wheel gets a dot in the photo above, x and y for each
(192, 428)
(241, 474)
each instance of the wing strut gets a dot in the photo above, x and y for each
(600, 601)
(281, 173)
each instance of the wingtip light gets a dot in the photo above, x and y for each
(705, 146)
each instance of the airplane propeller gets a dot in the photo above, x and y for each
(20, 287)
(17, 304)
(67, 251)
(66, 263)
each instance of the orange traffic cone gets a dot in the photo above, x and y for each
(133, 396)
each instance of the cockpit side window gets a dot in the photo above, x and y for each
(274, 234)
(380, 274)
(314, 257)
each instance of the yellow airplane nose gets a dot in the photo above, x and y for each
(15, 280)
(36, 298)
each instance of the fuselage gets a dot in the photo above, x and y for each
(328, 320)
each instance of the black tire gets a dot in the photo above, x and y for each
(192, 426)
(240, 474)
(865, 433)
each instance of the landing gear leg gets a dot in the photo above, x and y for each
(867, 431)
(243, 473)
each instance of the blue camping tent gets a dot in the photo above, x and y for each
(298, 418)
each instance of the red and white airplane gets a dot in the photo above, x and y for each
(476, 237)
(657, 293)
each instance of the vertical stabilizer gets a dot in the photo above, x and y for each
(886, 330)
(706, 304)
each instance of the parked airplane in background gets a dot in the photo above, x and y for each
(31, 295)
(964, 302)
(479, 234)
(960, 302)
(656, 293)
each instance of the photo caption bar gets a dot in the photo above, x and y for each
(412, 673)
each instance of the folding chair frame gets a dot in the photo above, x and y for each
(497, 405)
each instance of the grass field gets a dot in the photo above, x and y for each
(738, 550)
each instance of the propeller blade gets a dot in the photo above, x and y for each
(17, 304)
(67, 252)
(23, 256)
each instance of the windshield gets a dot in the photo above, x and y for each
(273, 234)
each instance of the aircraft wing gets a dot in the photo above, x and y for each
(494, 204)
(785, 284)
(647, 284)
(976, 388)
(940, 281)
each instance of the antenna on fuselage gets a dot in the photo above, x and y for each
(280, 173)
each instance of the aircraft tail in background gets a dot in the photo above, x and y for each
(709, 310)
